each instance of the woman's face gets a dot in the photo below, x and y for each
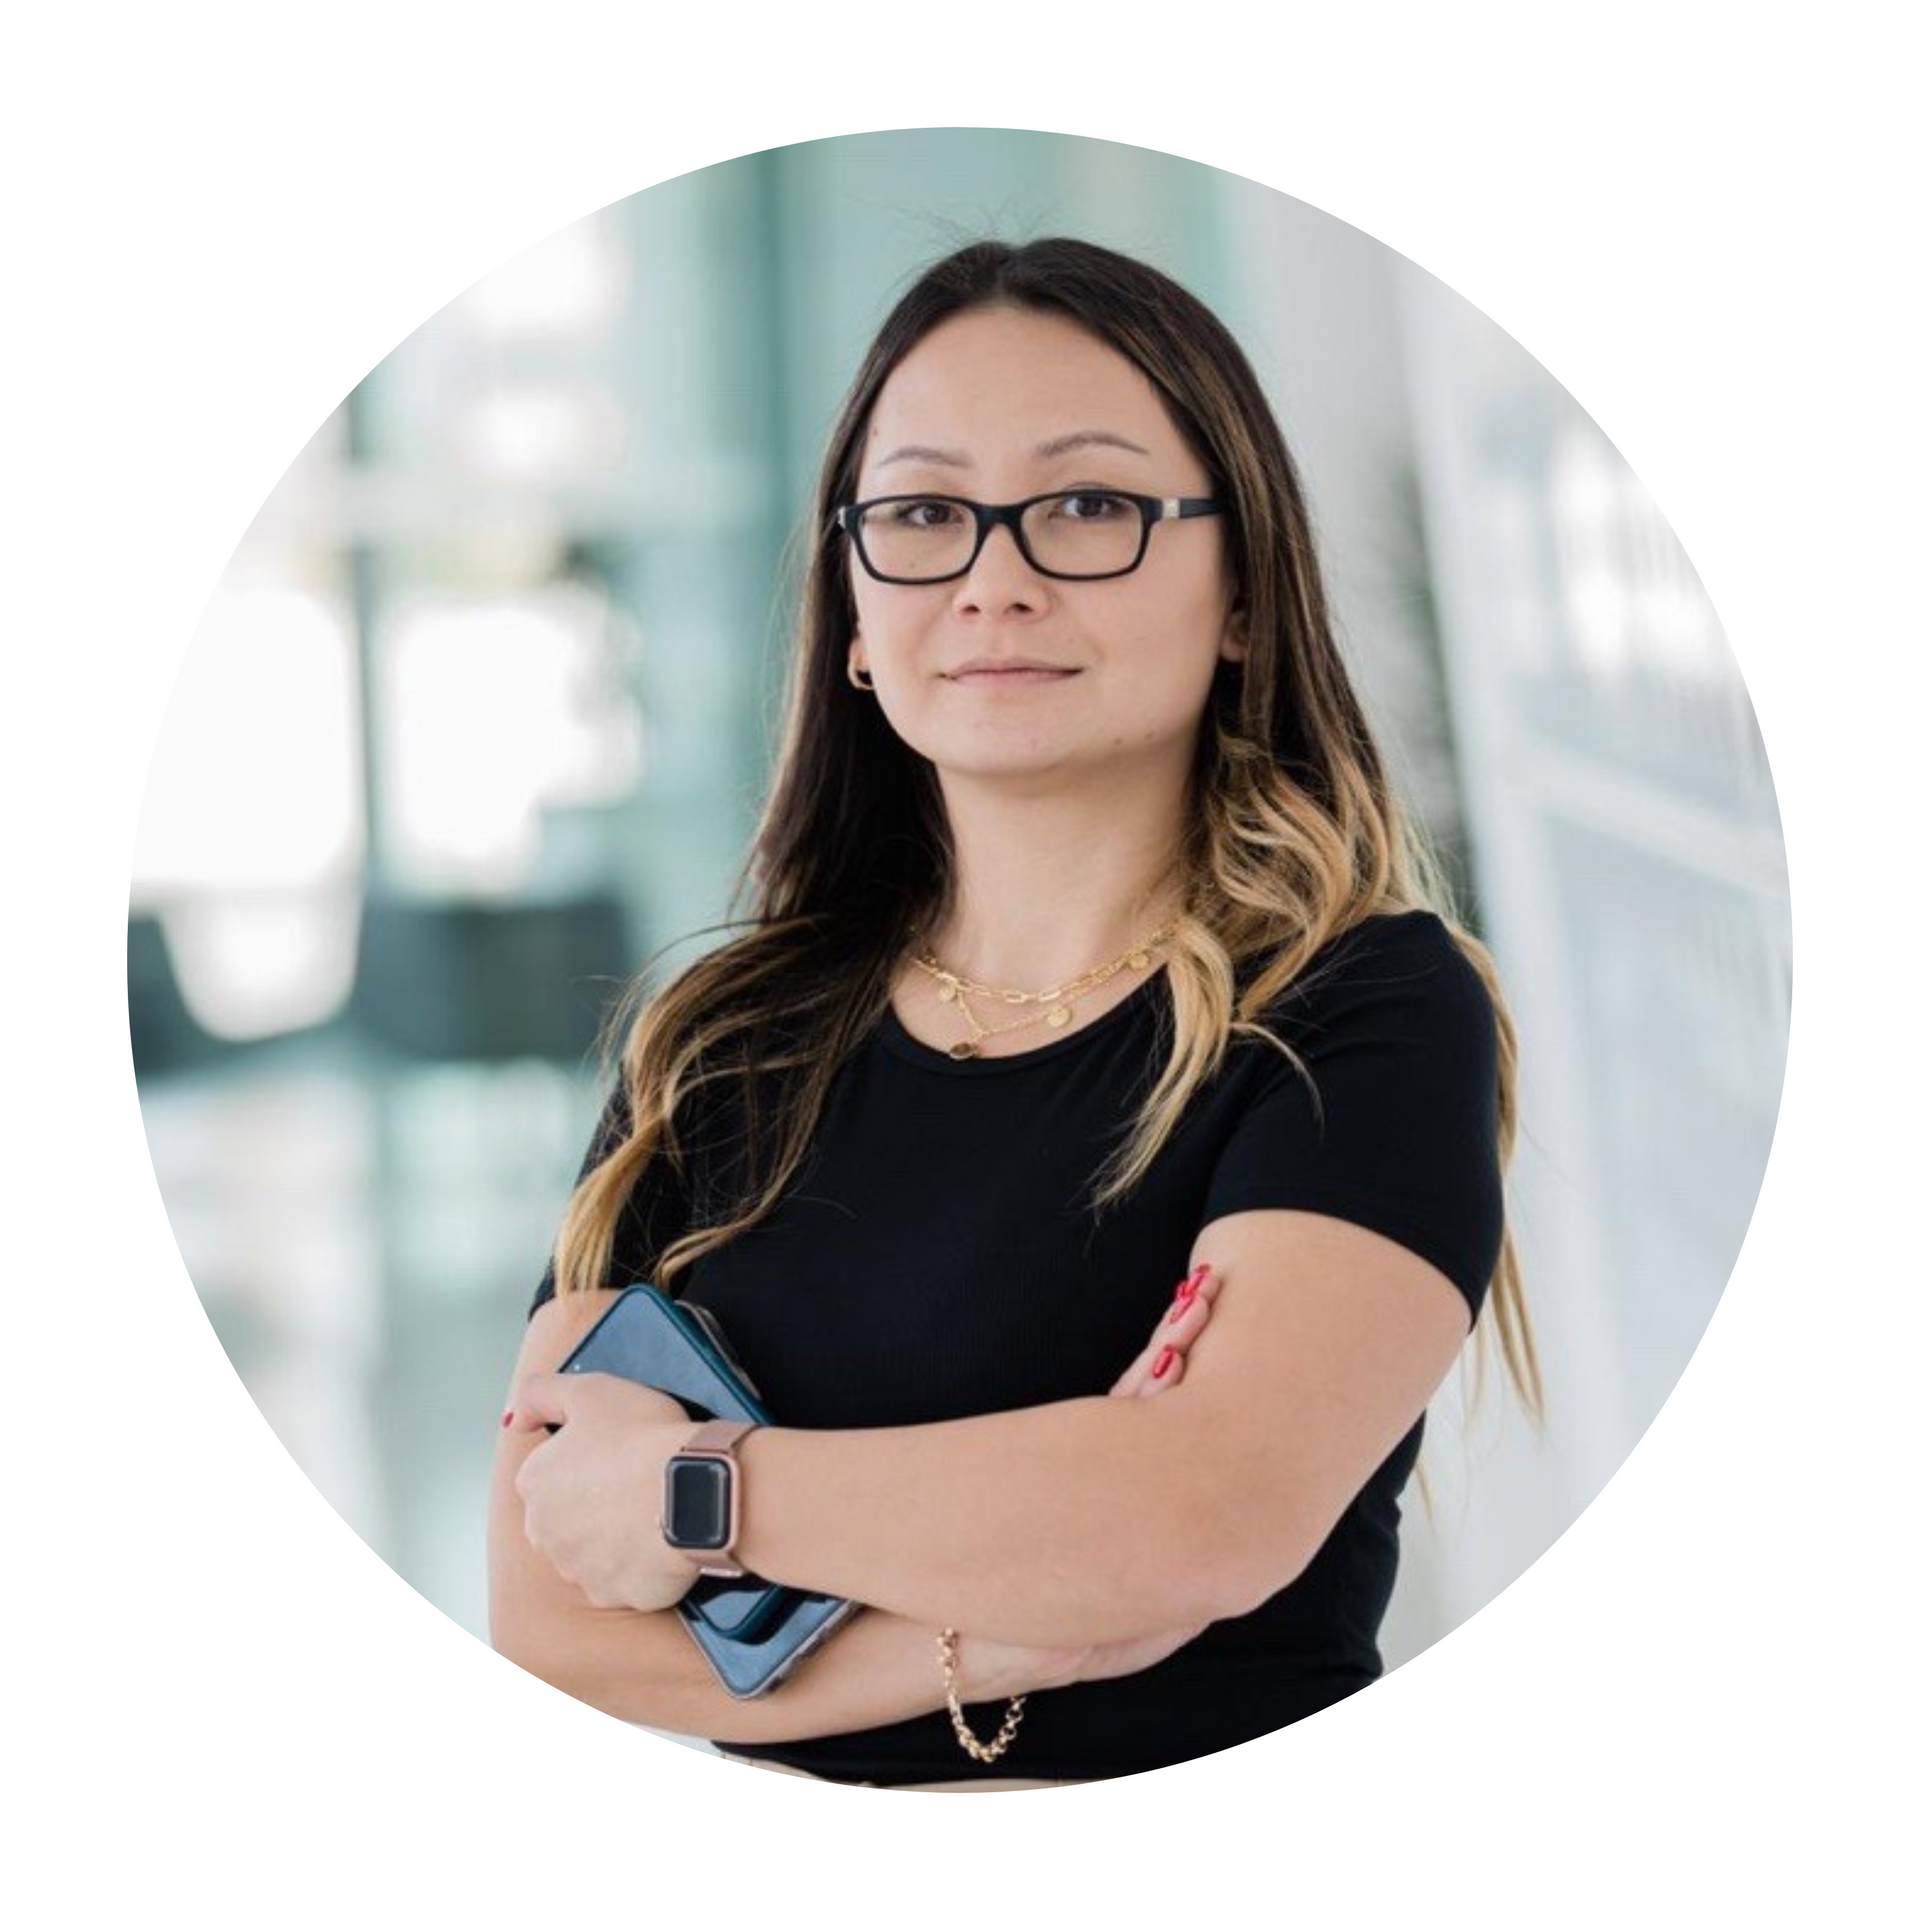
(1006, 672)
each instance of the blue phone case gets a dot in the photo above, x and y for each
(751, 1632)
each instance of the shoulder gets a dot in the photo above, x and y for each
(1381, 1104)
(1393, 973)
(1417, 937)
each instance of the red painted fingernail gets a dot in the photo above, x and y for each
(506, 1419)
(1180, 1307)
(1161, 1365)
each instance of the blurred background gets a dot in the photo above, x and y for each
(480, 714)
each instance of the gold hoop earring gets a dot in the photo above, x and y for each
(853, 674)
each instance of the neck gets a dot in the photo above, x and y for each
(1049, 887)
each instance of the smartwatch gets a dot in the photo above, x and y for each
(700, 1499)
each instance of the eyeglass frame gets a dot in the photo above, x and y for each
(985, 518)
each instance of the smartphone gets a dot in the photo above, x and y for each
(751, 1632)
(679, 1349)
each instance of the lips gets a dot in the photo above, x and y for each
(1012, 667)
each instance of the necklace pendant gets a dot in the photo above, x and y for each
(1059, 1016)
(948, 990)
(963, 1050)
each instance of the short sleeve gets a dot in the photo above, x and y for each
(1398, 1032)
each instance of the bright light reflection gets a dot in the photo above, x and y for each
(252, 836)
(255, 966)
(1634, 603)
(255, 781)
(496, 709)
(530, 430)
(574, 283)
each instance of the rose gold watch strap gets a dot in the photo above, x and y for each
(718, 1436)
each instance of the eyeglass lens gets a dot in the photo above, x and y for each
(1067, 533)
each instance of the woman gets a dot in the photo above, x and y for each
(1088, 949)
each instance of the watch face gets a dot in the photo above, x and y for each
(699, 1503)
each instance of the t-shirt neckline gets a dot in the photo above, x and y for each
(897, 1040)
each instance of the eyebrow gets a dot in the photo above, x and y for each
(1053, 449)
(926, 456)
(1087, 437)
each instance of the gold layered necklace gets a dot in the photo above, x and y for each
(1053, 1006)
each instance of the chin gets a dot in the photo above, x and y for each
(1010, 763)
(1028, 752)
(1039, 768)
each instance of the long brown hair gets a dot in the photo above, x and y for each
(1293, 833)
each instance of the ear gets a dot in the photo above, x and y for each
(1233, 637)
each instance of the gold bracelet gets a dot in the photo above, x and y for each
(1001, 1741)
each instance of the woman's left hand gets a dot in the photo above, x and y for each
(591, 1491)
(1162, 1364)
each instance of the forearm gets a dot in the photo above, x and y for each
(1085, 1521)
(644, 1667)
(1094, 1521)
(875, 1670)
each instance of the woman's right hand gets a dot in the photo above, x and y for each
(992, 1670)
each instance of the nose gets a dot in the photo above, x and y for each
(1000, 581)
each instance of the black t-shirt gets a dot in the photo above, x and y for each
(937, 1259)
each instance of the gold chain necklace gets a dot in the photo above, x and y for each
(1055, 1004)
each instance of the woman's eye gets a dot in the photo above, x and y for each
(926, 514)
(1089, 506)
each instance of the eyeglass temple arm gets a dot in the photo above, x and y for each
(1008, 516)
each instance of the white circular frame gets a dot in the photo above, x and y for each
(1410, 185)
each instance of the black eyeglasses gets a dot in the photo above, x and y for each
(1091, 533)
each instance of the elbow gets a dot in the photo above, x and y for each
(543, 1657)
(522, 1630)
(1251, 1579)
(611, 1662)
(511, 1635)
(1236, 1519)
(1235, 1578)
(1244, 1552)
